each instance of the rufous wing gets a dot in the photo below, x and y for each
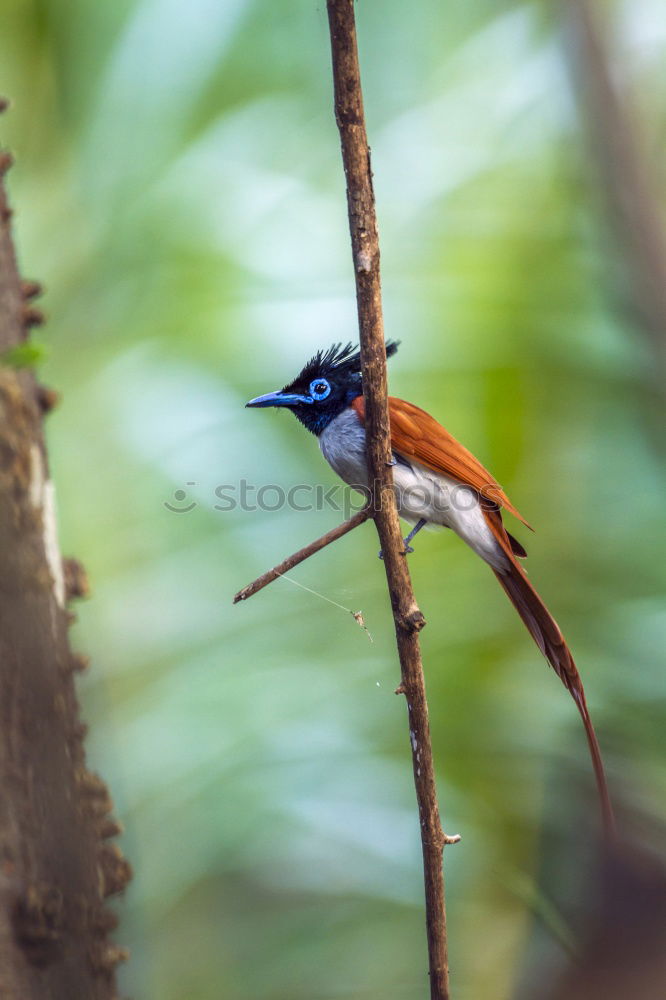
(415, 434)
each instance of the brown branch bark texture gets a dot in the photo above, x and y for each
(58, 864)
(407, 616)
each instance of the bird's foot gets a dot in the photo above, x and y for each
(405, 552)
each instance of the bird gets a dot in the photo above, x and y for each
(437, 483)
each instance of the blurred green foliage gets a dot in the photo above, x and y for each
(178, 189)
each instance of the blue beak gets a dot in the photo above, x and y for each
(279, 399)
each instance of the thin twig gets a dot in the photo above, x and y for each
(407, 616)
(302, 554)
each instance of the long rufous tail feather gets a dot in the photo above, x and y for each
(544, 630)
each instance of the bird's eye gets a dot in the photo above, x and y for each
(319, 389)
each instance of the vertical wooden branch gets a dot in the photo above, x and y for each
(57, 866)
(634, 206)
(407, 616)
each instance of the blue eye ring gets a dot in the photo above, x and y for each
(319, 389)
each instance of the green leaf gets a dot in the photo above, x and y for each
(25, 355)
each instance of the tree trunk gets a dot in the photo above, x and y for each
(56, 865)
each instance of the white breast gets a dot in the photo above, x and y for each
(343, 447)
(420, 492)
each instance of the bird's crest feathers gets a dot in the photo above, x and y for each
(342, 359)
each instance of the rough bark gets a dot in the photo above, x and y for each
(57, 865)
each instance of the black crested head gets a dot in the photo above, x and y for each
(324, 387)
